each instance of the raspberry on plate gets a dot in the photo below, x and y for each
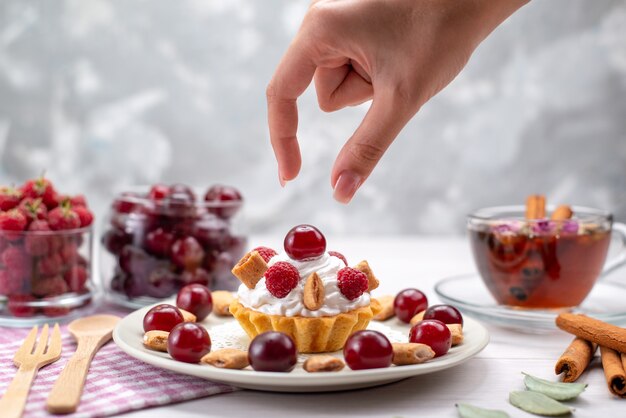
(265, 252)
(63, 218)
(281, 278)
(352, 283)
(9, 198)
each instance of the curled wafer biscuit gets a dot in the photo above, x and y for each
(575, 359)
(313, 294)
(562, 212)
(187, 316)
(456, 332)
(411, 353)
(227, 358)
(386, 308)
(156, 340)
(250, 269)
(594, 330)
(536, 207)
(417, 318)
(372, 281)
(323, 363)
(221, 301)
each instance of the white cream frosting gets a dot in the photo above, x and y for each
(326, 267)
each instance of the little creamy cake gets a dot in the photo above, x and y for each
(306, 292)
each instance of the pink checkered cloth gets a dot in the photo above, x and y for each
(116, 382)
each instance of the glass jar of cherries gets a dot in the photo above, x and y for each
(160, 240)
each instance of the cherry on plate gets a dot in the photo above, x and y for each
(272, 351)
(434, 334)
(408, 303)
(188, 342)
(162, 317)
(195, 298)
(367, 350)
(445, 313)
(305, 242)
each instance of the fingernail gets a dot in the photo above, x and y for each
(347, 185)
(281, 180)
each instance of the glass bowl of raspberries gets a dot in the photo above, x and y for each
(164, 237)
(45, 254)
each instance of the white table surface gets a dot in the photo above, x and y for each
(485, 380)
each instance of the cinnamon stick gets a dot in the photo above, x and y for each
(613, 366)
(562, 212)
(593, 330)
(536, 207)
(575, 359)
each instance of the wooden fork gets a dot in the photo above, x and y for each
(30, 357)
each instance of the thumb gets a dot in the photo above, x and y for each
(386, 117)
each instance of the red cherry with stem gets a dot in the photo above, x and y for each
(434, 334)
(304, 242)
(162, 317)
(188, 342)
(408, 303)
(445, 313)
(195, 298)
(368, 350)
(272, 351)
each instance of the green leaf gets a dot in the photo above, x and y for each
(537, 403)
(556, 390)
(471, 411)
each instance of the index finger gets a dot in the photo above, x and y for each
(293, 75)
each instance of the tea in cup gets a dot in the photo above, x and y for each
(528, 259)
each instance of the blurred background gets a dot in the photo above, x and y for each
(104, 95)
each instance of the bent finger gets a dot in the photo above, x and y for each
(291, 78)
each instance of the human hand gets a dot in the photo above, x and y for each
(397, 53)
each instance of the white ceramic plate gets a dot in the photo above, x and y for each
(226, 332)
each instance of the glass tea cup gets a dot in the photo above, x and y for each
(542, 263)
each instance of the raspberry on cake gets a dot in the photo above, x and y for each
(305, 292)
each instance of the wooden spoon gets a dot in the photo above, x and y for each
(91, 333)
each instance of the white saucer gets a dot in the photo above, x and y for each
(469, 294)
(227, 332)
